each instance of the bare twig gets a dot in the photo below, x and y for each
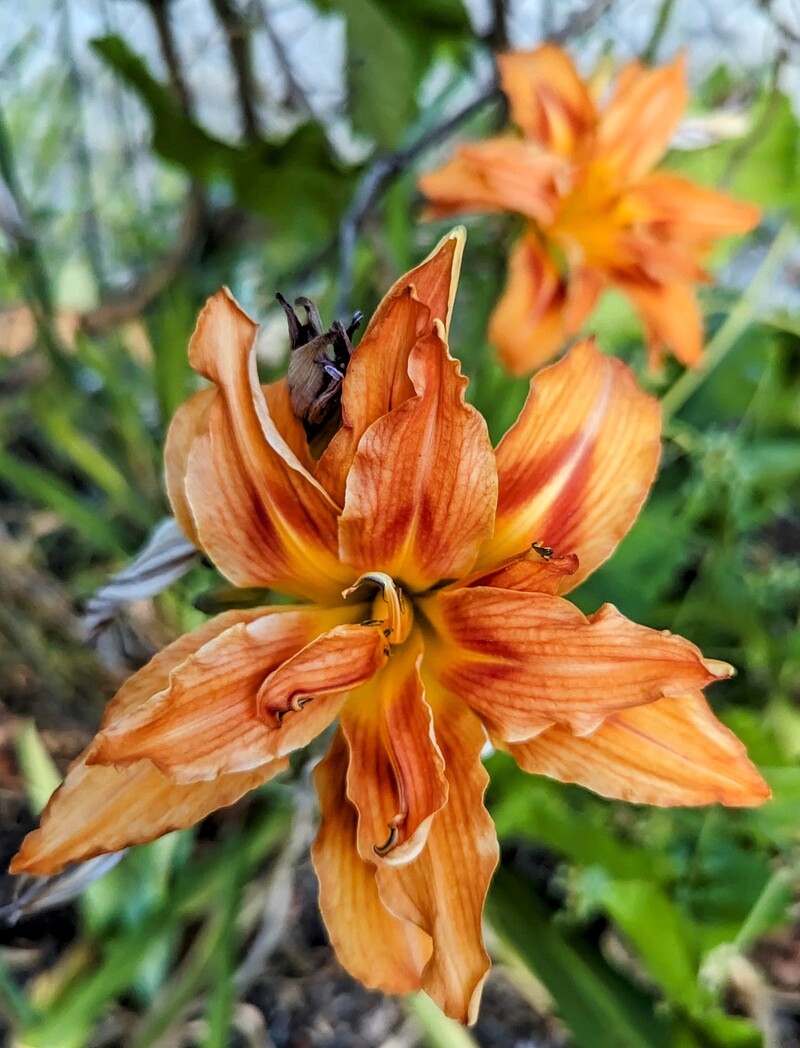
(159, 11)
(296, 93)
(380, 174)
(82, 154)
(238, 42)
(580, 21)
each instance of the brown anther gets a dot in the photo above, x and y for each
(388, 631)
(384, 849)
(544, 551)
(371, 622)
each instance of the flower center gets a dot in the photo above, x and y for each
(389, 605)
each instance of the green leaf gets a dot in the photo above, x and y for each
(299, 176)
(380, 79)
(601, 1008)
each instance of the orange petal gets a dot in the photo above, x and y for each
(259, 513)
(525, 661)
(635, 129)
(205, 721)
(188, 423)
(377, 379)
(101, 809)
(697, 214)
(672, 752)
(549, 101)
(499, 174)
(380, 950)
(443, 891)
(422, 488)
(304, 694)
(671, 318)
(576, 466)
(538, 570)
(396, 776)
(528, 325)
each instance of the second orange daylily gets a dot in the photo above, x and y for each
(429, 571)
(598, 215)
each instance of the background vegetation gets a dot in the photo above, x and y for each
(152, 150)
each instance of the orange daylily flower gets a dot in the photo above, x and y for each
(597, 215)
(429, 571)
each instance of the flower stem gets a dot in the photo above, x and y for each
(738, 319)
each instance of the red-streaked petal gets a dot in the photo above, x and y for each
(443, 891)
(396, 775)
(246, 487)
(102, 809)
(528, 326)
(205, 722)
(671, 752)
(671, 318)
(538, 570)
(421, 491)
(576, 466)
(377, 379)
(635, 128)
(549, 101)
(304, 694)
(380, 950)
(525, 661)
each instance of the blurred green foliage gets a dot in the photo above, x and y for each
(634, 926)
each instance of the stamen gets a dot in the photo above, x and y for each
(394, 834)
(544, 551)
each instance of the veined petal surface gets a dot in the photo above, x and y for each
(576, 467)
(525, 661)
(671, 752)
(422, 489)
(443, 891)
(396, 778)
(206, 721)
(380, 950)
(258, 512)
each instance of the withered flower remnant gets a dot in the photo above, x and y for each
(428, 571)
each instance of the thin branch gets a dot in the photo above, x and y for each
(296, 93)
(238, 41)
(159, 11)
(82, 154)
(381, 173)
(581, 21)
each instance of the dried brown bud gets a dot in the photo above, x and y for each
(317, 366)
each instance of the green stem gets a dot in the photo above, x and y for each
(738, 319)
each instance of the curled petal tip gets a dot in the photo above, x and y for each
(721, 670)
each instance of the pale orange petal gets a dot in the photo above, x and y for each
(303, 695)
(525, 661)
(205, 722)
(188, 423)
(259, 513)
(396, 775)
(692, 213)
(528, 324)
(500, 174)
(671, 752)
(102, 809)
(378, 949)
(635, 128)
(443, 891)
(671, 318)
(422, 488)
(576, 466)
(549, 100)
(377, 379)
